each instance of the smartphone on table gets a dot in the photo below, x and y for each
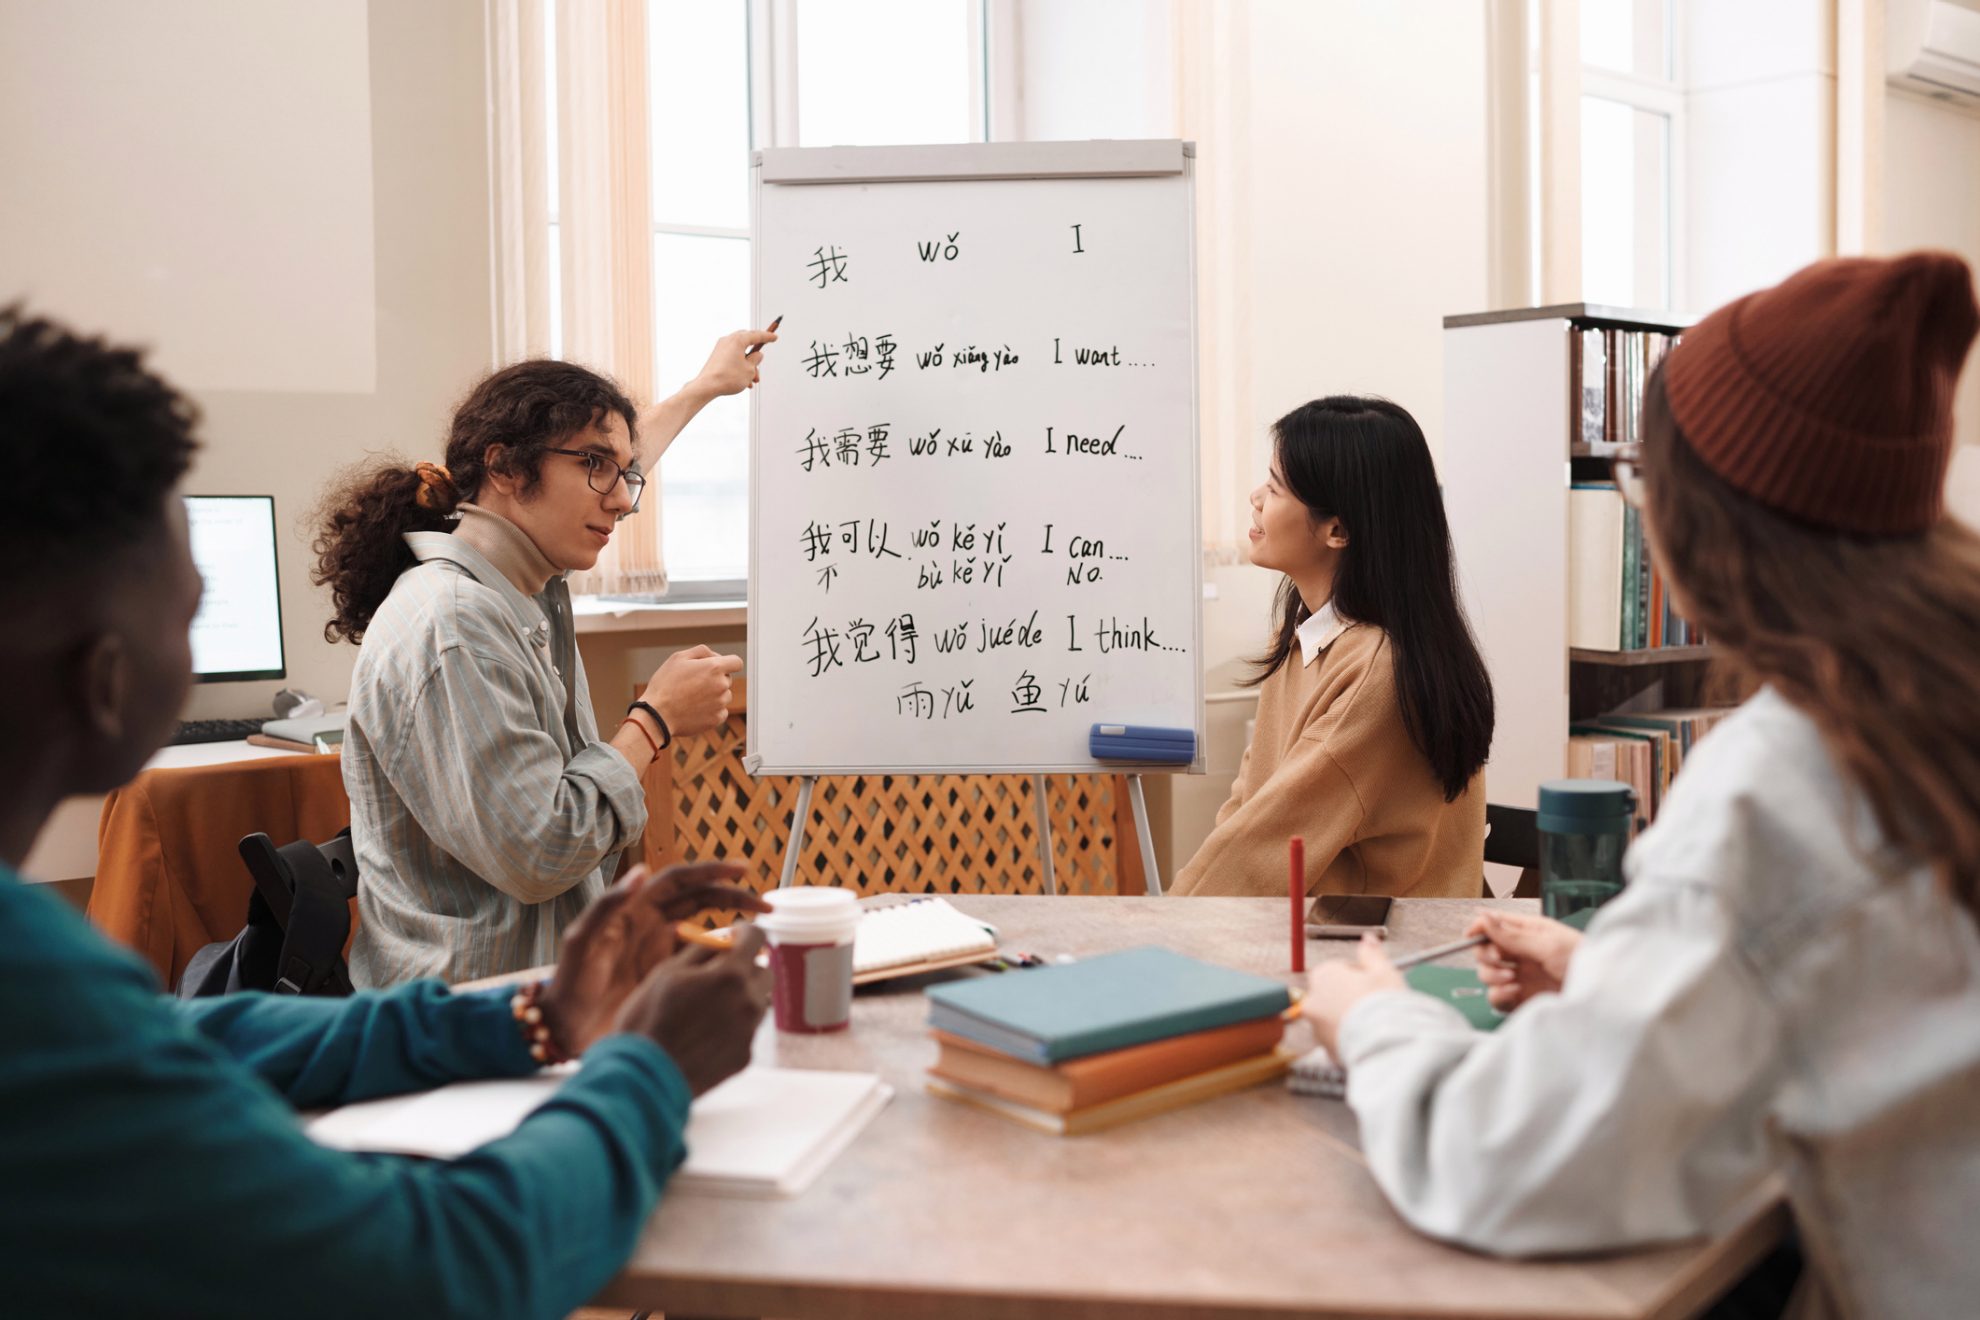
(1348, 916)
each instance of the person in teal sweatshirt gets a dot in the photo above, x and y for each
(151, 1159)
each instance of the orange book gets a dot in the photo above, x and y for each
(1098, 1078)
(1142, 1104)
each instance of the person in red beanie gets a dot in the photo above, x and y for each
(1790, 983)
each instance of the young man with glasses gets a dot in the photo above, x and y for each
(486, 807)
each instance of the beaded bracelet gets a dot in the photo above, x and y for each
(528, 1010)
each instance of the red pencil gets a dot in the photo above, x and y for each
(1296, 894)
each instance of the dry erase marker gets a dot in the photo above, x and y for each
(751, 350)
(1295, 892)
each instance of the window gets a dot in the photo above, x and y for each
(886, 72)
(1632, 115)
(724, 78)
(698, 77)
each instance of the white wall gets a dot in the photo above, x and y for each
(1365, 213)
(289, 199)
(1759, 143)
(1368, 197)
(1932, 199)
(1095, 69)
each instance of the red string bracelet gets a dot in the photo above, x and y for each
(651, 741)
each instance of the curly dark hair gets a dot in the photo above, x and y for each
(93, 443)
(521, 411)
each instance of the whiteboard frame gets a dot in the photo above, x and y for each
(981, 162)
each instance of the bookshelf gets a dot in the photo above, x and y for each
(1662, 655)
(1513, 446)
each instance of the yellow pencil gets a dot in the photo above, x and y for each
(694, 934)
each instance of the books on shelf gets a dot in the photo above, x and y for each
(1617, 600)
(1644, 750)
(1086, 1045)
(1609, 368)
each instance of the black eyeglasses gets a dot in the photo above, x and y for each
(1627, 465)
(602, 474)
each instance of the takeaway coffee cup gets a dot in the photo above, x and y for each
(810, 929)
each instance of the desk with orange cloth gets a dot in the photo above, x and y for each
(1254, 1204)
(169, 875)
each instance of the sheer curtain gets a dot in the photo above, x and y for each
(1213, 110)
(589, 56)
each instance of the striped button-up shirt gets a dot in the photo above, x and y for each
(485, 810)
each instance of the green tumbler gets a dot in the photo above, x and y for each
(1584, 830)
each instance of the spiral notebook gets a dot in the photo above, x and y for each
(901, 936)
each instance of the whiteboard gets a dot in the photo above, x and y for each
(974, 519)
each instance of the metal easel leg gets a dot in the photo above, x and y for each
(796, 845)
(1044, 834)
(1151, 876)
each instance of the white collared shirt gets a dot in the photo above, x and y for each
(1319, 632)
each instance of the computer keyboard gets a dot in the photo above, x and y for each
(212, 731)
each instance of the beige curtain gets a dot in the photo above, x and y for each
(1213, 110)
(605, 254)
(519, 182)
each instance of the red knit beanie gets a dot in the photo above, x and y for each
(1829, 396)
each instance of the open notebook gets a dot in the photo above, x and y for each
(764, 1132)
(899, 935)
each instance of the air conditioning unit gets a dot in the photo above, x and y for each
(1933, 46)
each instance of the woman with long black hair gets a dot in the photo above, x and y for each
(1374, 708)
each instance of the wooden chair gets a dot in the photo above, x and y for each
(881, 833)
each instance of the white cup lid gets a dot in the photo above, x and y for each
(811, 910)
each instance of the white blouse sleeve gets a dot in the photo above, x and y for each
(1630, 1108)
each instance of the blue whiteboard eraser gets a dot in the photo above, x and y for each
(1133, 742)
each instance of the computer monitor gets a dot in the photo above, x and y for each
(237, 633)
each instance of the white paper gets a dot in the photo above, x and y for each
(764, 1132)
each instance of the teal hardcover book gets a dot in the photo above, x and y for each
(1461, 989)
(1050, 1014)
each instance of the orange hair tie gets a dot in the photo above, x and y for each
(435, 484)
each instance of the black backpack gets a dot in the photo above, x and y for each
(297, 921)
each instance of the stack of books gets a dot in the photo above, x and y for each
(1087, 1045)
(1645, 750)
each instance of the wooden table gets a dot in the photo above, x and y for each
(1254, 1204)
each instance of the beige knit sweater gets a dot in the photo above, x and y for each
(1330, 760)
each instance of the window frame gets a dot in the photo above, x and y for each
(1667, 98)
(773, 83)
